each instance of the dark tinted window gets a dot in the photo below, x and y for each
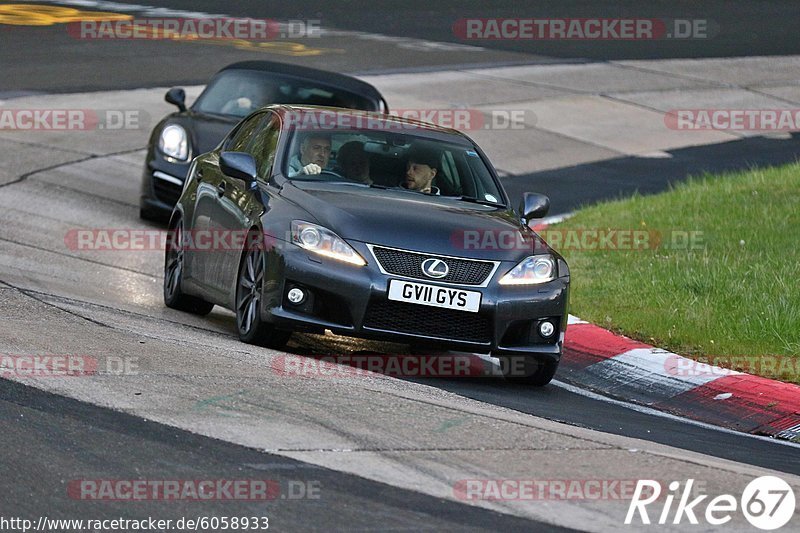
(264, 143)
(460, 171)
(240, 92)
(240, 137)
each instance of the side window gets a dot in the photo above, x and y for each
(241, 136)
(264, 144)
(449, 181)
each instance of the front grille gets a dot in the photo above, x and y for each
(409, 264)
(428, 321)
(167, 192)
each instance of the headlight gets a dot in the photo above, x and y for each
(323, 241)
(174, 142)
(531, 270)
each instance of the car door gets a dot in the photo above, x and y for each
(240, 206)
(211, 185)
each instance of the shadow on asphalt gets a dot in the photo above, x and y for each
(572, 187)
(552, 402)
(560, 405)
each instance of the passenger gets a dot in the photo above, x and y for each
(353, 162)
(315, 151)
(421, 169)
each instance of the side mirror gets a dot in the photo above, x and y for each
(534, 205)
(238, 165)
(176, 96)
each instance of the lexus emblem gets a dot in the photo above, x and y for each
(435, 268)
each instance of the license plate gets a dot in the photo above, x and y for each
(435, 296)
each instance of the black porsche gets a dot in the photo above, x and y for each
(233, 93)
(368, 225)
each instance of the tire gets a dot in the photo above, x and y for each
(150, 215)
(173, 272)
(528, 370)
(249, 294)
(144, 214)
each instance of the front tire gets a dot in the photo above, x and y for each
(528, 370)
(173, 273)
(249, 293)
(150, 216)
(153, 214)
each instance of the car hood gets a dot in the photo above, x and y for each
(412, 221)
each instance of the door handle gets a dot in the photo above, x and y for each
(221, 188)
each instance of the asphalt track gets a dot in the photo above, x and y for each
(383, 36)
(572, 187)
(53, 439)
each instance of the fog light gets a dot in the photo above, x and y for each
(546, 329)
(296, 295)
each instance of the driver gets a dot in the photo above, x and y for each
(315, 151)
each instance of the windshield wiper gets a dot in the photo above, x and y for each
(474, 200)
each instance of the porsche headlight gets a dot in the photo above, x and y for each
(323, 241)
(531, 271)
(173, 142)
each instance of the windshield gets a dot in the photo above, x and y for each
(240, 92)
(387, 159)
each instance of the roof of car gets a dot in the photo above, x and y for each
(334, 79)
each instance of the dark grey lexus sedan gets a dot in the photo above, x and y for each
(367, 225)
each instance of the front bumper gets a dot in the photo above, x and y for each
(352, 301)
(162, 184)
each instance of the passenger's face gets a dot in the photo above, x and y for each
(315, 150)
(419, 176)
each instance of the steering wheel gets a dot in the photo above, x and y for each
(335, 174)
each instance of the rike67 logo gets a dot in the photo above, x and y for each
(767, 502)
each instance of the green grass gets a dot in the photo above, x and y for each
(736, 294)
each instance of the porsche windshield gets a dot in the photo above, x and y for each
(387, 159)
(240, 92)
